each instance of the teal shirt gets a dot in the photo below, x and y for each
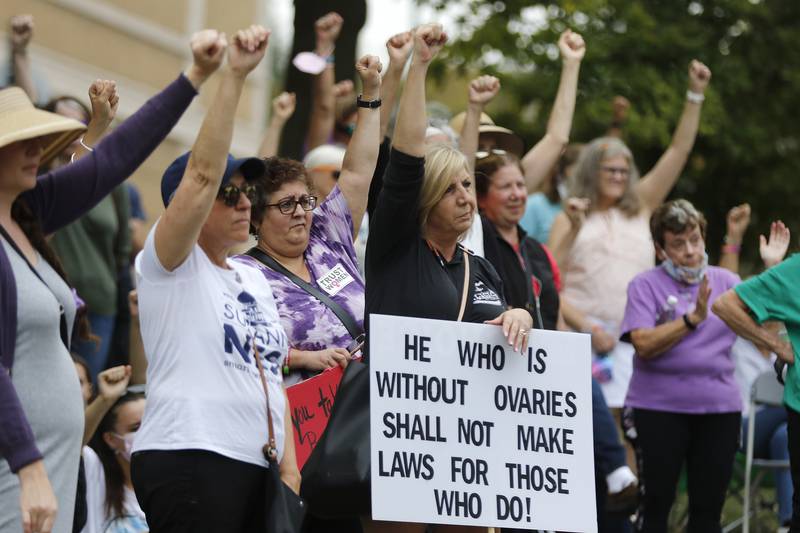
(539, 216)
(775, 295)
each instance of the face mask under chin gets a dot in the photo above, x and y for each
(687, 275)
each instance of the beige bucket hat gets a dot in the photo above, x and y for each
(20, 121)
(503, 138)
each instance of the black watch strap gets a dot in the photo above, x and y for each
(688, 322)
(369, 104)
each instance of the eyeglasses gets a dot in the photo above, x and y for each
(288, 205)
(482, 154)
(229, 194)
(622, 171)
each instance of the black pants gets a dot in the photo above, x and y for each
(793, 429)
(666, 441)
(198, 491)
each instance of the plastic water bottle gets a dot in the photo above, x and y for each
(667, 313)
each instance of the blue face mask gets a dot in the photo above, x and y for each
(690, 276)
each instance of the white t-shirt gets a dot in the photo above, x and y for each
(97, 520)
(203, 386)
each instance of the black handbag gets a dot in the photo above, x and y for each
(284, 510)
(336, 476)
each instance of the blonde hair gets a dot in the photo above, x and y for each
(441, 163)
(584, 180)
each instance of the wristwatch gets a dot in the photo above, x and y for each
(369, 104)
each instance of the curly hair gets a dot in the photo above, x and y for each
(279, 170)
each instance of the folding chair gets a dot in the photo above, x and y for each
(766, 391)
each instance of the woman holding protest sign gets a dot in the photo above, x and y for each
(216, 416)
(415, 265)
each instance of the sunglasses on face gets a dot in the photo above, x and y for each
(483, 154)
(288, 205)
(229, 194)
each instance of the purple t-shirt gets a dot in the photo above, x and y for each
(695, 376)
(332, 263)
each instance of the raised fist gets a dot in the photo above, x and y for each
(399, 47)
(208, 51)
(483, 89)
(576, 210)
(283, 105)
(369, 70)
(247, 49)
(113, 382)
(737, 220)
(104, 98)
(428, 41)
(21, 32)
(699, 76)
(343, 89)
(571, 46)
(327, 29)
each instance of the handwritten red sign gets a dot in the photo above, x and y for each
(310, 402)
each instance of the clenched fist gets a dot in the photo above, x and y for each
(369, 70)
(483, 89)
(428, 41)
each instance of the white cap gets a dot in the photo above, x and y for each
(326, 155)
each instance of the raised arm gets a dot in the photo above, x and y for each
(412, 120)
(539, 160)
(119, 154)
(111, 386)
(399, 47)
(656, 184)
(565, 228)
(104, 98)
(773, 251)
(179, 227)
(362, 151)
(323, 106)
(737, 221)
(21, 35)
(481, 91)
(282, 109)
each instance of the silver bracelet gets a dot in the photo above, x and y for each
(695, 98)
(85, 145)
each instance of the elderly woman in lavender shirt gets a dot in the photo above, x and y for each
(683, 405)
(318, 246)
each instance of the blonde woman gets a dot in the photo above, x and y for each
(415, 266)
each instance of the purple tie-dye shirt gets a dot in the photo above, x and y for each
(332, 263)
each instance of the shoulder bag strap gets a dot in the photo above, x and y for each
(63, 322)
(465, 289)
(270, 449)
(344, 317)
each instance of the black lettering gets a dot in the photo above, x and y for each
(481, 355)
(417, 347)
(533, 477)
(572, 409)
(407, 465)
(470, 471)
(458, 503)
(475, 432)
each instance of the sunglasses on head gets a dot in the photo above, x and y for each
(229, 194)
(483, 154)
(288, 205)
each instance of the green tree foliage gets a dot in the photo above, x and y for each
(748, 149)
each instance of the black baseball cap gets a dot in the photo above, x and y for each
(250, 167)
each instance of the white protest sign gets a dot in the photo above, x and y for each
(466, 431)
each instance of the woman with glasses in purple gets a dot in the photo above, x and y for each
(305, 245)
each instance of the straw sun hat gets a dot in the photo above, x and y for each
(504, 138)
(20, 121)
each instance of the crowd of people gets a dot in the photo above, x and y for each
(390, 212)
